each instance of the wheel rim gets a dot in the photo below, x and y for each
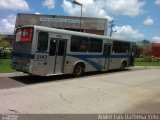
(78, 70)
(122, 66)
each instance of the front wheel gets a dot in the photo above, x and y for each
(78, 70)
(123, 65)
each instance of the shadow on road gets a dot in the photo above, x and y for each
(29, 79)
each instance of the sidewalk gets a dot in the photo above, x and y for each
(147, 67)
(12, 74)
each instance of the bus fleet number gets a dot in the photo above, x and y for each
(41, 57)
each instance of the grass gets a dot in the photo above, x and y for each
(5, 66)
(147, 63)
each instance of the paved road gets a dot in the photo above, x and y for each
(12, 80)
(135, 91)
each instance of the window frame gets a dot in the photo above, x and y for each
(78, 44)
(94, 41)
(39, 45)
(125, 47)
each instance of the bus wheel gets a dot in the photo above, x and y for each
(78, 70)
(123, 65)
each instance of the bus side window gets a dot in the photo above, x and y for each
(79, 44)
(95, 45)
(42, 41)
(120, 47)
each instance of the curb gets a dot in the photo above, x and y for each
(147, 67)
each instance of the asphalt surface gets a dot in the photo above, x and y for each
(18, 79)
(130, 91)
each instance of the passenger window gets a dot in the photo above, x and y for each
(42, 41)
(121, 47)
(95, 45)
(79, 44)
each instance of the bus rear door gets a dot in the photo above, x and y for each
(106, 53)
(56, 58)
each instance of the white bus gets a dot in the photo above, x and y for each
(47, 51)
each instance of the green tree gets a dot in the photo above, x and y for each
(2, 37)
(4, 44)
(145, 41)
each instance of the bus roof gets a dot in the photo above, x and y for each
(68, 32)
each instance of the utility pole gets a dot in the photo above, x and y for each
(80, 4)
(111, 27)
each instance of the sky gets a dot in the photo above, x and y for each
(133, 19)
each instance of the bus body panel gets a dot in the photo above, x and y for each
(50, 53)
(91, 63)
(22, 56)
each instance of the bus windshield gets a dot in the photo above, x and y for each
(24, 34)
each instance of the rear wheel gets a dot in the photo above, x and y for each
(78, 70)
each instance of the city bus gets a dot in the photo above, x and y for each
(44, 51)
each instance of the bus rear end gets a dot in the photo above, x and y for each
(22, 49)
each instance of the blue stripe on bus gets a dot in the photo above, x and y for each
(118, 56)
(85, 58)
(99, 56)
(23, 55)
(96, 65)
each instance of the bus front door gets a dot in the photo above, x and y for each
(106, 53)
(132, 58)
(56, 56)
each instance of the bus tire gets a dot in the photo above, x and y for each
(123, 65)
(78, 70)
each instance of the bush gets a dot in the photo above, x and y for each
(148, 59)
(5, 52)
